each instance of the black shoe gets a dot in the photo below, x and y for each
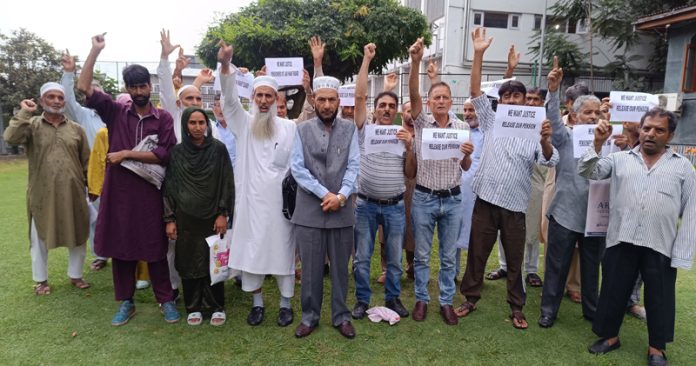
(327, 270)
(397, 306)
(175, 295)
(255, 315)
(602, 346)
(285, 317)
(657, 360)
(359, 310)
(545, 321)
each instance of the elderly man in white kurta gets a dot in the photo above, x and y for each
(261, 236)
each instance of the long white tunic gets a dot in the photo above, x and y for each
(262, 239)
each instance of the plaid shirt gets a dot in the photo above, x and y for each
(436, 174)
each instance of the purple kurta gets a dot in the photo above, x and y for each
(130, 225)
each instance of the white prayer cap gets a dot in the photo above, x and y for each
(51, 86)
(184, 88)
(348, 86)
(326, 82)
(266, 81)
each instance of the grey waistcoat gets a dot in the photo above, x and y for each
(326, 158)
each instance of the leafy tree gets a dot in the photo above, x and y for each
(569, 54)
(281, 28)
(26, 63)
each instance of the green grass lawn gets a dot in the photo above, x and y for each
(72, 326)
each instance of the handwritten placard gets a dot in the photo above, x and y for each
(597, 220)
(442, 143)
(583, 139)
(287, 71)
(245, 84)
(347, 95)
(491, 87)
(519, 121)
(631, 106)
(380, 138)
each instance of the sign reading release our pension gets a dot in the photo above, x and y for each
(519, 121)
(245, 84)
(379, 138)
(583, 138)
(442, 143)
(347, 95)
(631, 106)
(286, 71)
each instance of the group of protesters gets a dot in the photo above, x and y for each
(225, 174)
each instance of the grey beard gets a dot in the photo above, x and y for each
(53, 110)
(263, 124)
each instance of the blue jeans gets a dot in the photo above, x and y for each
(427, 211)
(368, 216)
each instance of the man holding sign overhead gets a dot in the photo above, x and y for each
(437, 199)
(568, 211)
(502, 183)
(386, 155)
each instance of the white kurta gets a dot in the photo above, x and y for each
(262, 238)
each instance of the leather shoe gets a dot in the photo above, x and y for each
(255, 315)
(397, 306)
(346, 329)
(448, 315)
(602, 346)
(545, 321)
(359, 310)
(285, 317)
(303, 330)
(420, 311)
(657, 360)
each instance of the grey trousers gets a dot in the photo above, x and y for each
(315, 244)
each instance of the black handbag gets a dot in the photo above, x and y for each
(289, 195)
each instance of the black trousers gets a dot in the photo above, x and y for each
(559, 253)
(199, 295)
(622, 263)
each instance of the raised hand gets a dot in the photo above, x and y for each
(390, 81)
(546, 131)
(206, 75)
(370, 51)
(555, 76)
(317, 47)
(28, 105)
(416, 50)
(513, 58)
(98, 42)
(480, 43)
(165, 41)
(431, 70)
(181, 61)
(225, 53)
(178, 83)
(261, 72)
(68, 61)
(601, 134)
(605, 107)
(306, 82)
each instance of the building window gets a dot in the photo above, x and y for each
(514, 21)
(689, 77)
(581, 27)
(537, 21)
(495, 20)
(478, 19)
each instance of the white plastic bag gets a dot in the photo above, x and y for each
(219, 256)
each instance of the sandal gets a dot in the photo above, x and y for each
(195, 318)
(465, 309)
(575, 296)
(79, 283)
(42, 288)
(496, 275)
(98, 264)
(533, 280)
(518, 320)
(218, 318)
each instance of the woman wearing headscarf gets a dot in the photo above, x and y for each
(198, 198)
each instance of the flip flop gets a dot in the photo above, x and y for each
(79, 283)
(465, 309)
(517, 317)
(496, 275)
(42, 288)
(533, 280)
(218, 318)
(195, 318)
(98, 264)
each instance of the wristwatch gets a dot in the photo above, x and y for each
(341, 200)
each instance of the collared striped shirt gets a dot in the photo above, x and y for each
(646, 204)
(436, 174)
(504, 176)
(381, 174)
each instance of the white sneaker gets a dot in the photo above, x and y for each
(141, 284)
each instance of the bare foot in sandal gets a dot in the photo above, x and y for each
(79, 283)
(518, 319)
(42, 288)
(465, 309)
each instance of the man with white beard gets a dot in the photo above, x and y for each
(261, 237)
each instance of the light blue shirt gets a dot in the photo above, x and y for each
(227, 138)
(87, 118)
(306, 180)
(468, 197)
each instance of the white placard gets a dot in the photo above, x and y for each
(286, 71)
(583, 138)
(597, 220)
(347, 95)
(380, 138)
(519, 121)
(245, 84)
(442, 143)
(491, 87)
(631, 106)
(216, 83)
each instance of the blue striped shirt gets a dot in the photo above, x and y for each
(646, 204)
(504, 176)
